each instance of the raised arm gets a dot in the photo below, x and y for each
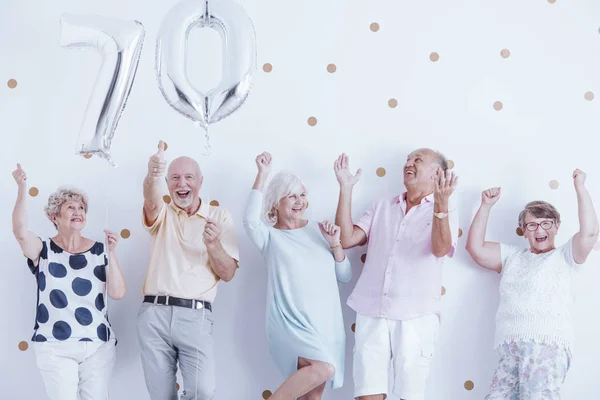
(586, 238)
(441, 236)
(30, 244)
(115, 281)
(486, 254)
(255, 228)
(343, 268)
(152, 185)
(350, 234)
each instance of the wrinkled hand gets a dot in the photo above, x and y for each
(112, 239)
(579, 178)
(263, 162)
(342, 171)
(20, 176)
(212, 233)
(157, 163)
(445, 184)
(330, 232)
(491, 196)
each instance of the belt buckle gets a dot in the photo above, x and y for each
(199, 305)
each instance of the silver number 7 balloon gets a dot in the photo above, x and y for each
(239, 58)
(119, 42)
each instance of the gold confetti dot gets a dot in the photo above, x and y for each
(353, 327)
(553, 184)
(519, 231)
(393, 103)
(312, 121)
(267, 67)
(551, 1)
(450, 164)
(460, 232)
(12, 83)
(469, 385)
(167, 199)
(266, 394)
(597, 246)
(214, 203)
(177, 387)
(443, 290)
(380, 172)
(125, 234)
(33, 191)
(434, 56)
(166, 145)
(589, 96)
(374, 27)
(23, 346)
(498, 106)
(505, 53)
(363, 258)
(331, 68)
(87, 155)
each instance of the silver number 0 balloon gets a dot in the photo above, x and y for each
(239, 58)
(119, 42)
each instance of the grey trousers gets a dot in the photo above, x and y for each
(170, 334)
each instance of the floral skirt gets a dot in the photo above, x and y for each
(529, 371)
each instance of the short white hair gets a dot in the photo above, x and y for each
(60, 197)
(283, 184)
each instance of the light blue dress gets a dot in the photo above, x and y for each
(304, 312)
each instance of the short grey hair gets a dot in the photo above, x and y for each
(283, 184)
(441, 160)
(60, 197)
(539, 209)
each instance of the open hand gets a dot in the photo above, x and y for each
(342, 171)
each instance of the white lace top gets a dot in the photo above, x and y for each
(535, 296)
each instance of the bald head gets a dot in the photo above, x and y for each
(185, 164)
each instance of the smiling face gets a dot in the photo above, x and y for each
(291, 207)
(540, 222)
(184, 180)
(420, 168)
(540, 232)
(72, 216)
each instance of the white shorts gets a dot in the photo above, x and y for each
(409, 345)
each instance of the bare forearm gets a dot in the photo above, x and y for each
(152, 192)
(343, 215)
(588, 220)
(115, 281)
(478, 228)
(441, 237)
(222, 264)
(338, 254)
(19, 217)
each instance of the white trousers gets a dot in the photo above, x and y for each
(76, 370)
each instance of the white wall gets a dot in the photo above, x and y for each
(545, 130)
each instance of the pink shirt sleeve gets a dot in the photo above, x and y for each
(366, 221)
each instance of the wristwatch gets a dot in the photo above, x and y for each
(440, 215)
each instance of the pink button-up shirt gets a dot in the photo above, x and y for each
(401, 279)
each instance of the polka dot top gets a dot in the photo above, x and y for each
(71, 290)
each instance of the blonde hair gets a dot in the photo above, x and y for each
(283, 184)
(60, 197)
(539, 209)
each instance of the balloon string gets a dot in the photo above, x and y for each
(207, 147)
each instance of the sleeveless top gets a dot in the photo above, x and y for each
(71, 291)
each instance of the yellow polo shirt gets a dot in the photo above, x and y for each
(179, 264)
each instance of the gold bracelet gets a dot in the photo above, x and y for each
(337, 245)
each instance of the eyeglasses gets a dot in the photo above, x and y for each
(532, 226)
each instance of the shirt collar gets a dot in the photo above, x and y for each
(202, 211)
(402, 198)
